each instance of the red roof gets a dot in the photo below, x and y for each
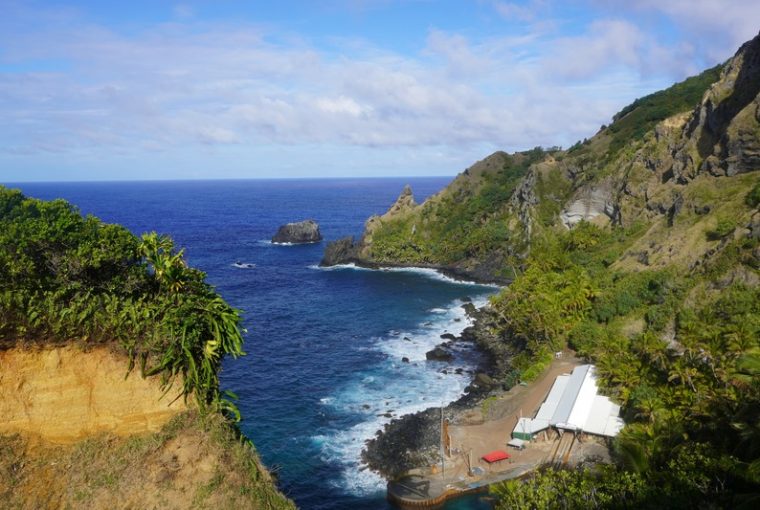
(495, 456)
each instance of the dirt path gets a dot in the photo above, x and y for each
(478, 435)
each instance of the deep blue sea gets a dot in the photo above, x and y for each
(324, 369)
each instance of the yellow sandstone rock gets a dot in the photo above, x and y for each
(63, 395)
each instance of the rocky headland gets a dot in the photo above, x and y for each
(302, 232)
(348, 250)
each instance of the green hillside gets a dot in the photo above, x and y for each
(639, 249)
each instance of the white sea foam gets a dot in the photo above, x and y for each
(340, 267)
(273, 243)
(394, 389)
(424, 271)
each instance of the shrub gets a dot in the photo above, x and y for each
(724, 227)
(753, 197)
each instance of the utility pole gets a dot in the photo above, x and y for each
(443, 462)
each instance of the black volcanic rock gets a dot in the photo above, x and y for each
(341, 251)
(439, 354)
(298, 233)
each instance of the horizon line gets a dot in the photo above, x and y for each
(227, 179)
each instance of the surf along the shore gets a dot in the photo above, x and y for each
(403, 383)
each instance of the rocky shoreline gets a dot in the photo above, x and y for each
(413, 441)
(346, 251)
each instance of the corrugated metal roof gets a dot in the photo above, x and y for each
(566, 403)
(546, 411)
(599, 415)
(583, 401)
(573, 403)
(529, 426)
(558, 388)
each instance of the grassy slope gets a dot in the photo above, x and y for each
(476, 218)
(193, 462)
(468, 224)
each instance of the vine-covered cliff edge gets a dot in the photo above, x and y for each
(110, 348)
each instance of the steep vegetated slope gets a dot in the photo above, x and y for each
(110, 348)
(640, 249)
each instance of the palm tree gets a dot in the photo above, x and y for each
(169, 268)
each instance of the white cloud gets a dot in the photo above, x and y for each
(716, 27)
(340, 105)
(186, 84)
(612, 44)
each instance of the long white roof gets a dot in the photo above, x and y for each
(573, 403)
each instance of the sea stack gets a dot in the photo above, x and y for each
(302, 232)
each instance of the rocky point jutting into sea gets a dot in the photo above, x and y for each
(616, 249)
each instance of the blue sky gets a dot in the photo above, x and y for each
(251, 89)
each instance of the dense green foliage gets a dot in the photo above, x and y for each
(640, 117)
(605, 488)
(64, 277)
(696, 399)
(472, 223)
(674, 337)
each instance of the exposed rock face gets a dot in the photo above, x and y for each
(404, 202)
(342, 251)
(64, 394)
(723, 133)
(593, 203)
(301, 232)
(524, 199)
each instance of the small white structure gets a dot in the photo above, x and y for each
(573, 404)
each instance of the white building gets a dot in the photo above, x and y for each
(573, 404)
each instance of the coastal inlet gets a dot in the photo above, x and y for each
(321, 344)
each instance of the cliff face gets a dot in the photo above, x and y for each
(80, 302)
(63, 395)
(76, 433)
(676, 178)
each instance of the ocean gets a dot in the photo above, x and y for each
(324, 368)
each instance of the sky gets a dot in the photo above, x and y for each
(222, 89)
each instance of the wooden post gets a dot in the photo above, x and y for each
(443, 462)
